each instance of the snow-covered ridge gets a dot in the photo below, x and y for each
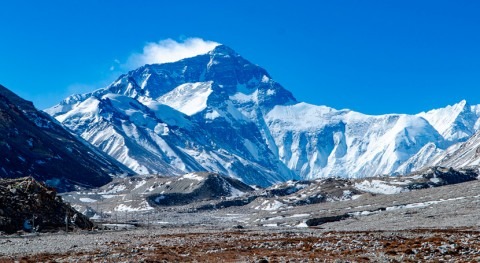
(454, 122)
(218, 112)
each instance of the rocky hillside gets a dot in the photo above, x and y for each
(26, 204)
(207, 191)
(33, 144)
(144, 192)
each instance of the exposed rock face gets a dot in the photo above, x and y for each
(439, 176)
(30, 205)
(33, 144)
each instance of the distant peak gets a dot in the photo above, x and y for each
(461, 106)
(462, 103)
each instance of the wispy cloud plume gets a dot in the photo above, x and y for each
(169, 50)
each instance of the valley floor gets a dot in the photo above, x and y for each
(430, 225)
(207, 245)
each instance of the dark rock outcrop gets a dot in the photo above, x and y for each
(327, 219)
(32, 206)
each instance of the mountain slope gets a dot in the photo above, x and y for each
(179, 117)
(218, 112)
(32, 144)
(317, 141)
(456, 122)
(461, 155)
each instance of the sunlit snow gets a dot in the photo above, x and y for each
(378, 187)
(188, 98)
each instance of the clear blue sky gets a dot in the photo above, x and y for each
(370, 56)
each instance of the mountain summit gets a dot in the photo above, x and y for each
(218, 112)
(198, 114)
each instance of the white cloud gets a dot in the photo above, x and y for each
(169, 50)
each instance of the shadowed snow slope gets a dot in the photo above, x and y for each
(461, 155)
(218, 112)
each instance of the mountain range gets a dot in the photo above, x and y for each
(218, 112)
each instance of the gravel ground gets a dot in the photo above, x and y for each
(280, 245)
(431, 225)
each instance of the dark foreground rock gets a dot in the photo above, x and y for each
(26, 204)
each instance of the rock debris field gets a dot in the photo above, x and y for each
(310, 245)
(429, 225)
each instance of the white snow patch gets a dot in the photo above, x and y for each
(364, 213)
(379, 187)
(356, 197)
(270, 92)
(109, 196)
(271, 225)
(299, 215)
(192, 176)
(87, 200)
(406, 182)
(303, 224)
(435, 180)
(212, 115)
(243, 97)
(270, 205)
(140, 184)
(125, 208)
(114, 189)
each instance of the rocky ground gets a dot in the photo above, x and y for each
(428, 225)
(254, 245)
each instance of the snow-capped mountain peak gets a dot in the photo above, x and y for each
(454, 122)
(219, 112)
